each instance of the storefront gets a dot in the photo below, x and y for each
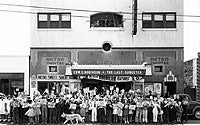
(55, 83)
(14, 74)
(127, 77)
(77, 68)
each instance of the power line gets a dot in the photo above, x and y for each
(83, 10)
(26, 12)
(56, 8)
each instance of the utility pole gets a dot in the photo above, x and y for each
(134, 16)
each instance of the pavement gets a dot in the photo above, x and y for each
(189, 122)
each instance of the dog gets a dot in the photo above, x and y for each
(71, 117)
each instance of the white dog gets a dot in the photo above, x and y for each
(71, 117)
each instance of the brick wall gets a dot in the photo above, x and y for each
(198, 78)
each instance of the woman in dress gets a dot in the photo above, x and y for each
(31, 112)
(155, 111)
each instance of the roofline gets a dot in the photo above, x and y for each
(101, 47)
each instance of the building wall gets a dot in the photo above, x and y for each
(170, 59)
(189, 72)
(16, 64)
(83, 44)
(81, 35)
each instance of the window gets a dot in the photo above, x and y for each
(158, 68)
(106, 20)
(159, 20)
(54, 20)
(53, 69)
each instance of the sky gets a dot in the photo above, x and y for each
(15, 29)
(191, 30)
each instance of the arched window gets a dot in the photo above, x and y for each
(107, 19)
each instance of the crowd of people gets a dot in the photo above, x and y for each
(108, 106)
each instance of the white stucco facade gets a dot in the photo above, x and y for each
(81, 35)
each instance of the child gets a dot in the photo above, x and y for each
(83, 106)
(31, 112)
(37, 110)
(126, 111)
(16, 106)
(115, 109)
(52, 110)
(179, 110)
(132, 108)
(120, 112)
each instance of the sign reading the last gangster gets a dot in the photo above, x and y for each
(108, 72)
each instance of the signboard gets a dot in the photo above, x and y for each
(112, 78)
(51, 77)
(159, 60)
(54, 61)
(157, 88)
(110, 72)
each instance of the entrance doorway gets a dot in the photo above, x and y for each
(170, 88)
(5, 86)
(92, 83)
(55, 86)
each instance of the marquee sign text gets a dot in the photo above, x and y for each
(110, 72)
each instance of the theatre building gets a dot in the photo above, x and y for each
(126, 43)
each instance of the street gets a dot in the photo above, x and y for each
(187, 123)
(193, 122)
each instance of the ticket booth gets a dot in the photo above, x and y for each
(170, 84)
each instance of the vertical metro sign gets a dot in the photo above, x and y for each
(134, 16)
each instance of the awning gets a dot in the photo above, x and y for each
(109, 70)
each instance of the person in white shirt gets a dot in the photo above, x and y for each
(156, 107)
(94, 110)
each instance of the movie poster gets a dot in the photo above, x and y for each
(149, 88)
(157, 88)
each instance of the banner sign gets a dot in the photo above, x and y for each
(112, 78)
(110, 72)
(51, 77)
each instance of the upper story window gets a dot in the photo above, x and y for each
(159, 20)
(54, 20)
(106, 20)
